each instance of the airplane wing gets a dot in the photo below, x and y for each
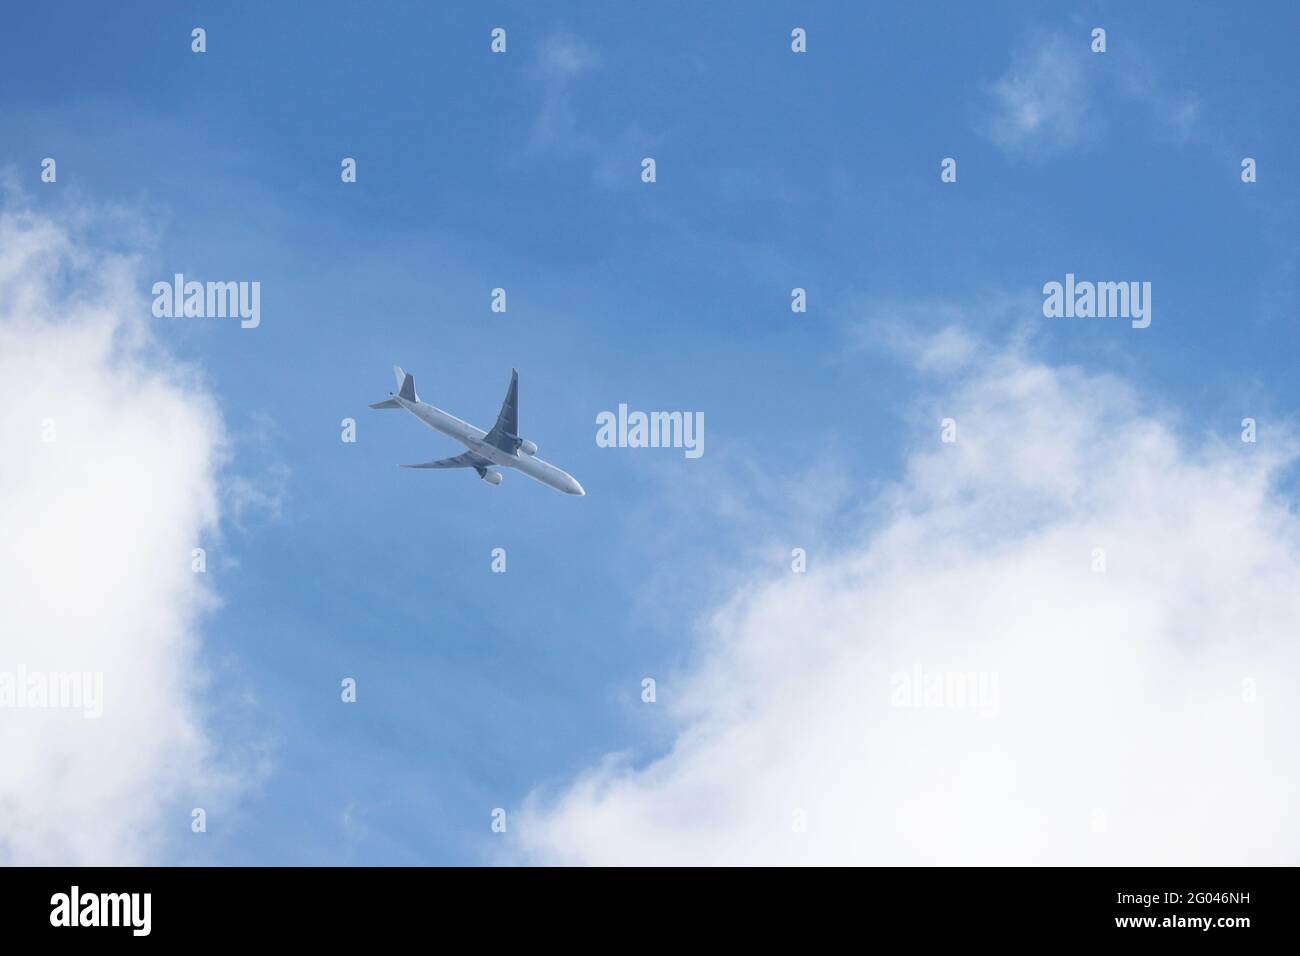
(505, 433)
(467, 460)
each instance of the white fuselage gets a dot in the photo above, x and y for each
(472, 438)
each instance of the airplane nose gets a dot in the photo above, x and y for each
(575, 488)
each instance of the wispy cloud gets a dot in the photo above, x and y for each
(561, 62)
(1041, 102)
(265, 493)
(567, 123)
(1054, 94)
(564, 57)
(1171, 107)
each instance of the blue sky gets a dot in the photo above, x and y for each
(775, 170)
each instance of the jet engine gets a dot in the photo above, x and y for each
(491, 477)
(527, 447)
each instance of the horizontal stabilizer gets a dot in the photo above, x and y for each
(390, 403)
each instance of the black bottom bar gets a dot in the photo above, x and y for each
(1166, 905)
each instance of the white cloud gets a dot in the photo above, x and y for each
(555, 72)
(565, 56)
(571, 122)
(1042, 100)
(265, 493)
(1177, 109)
(98, 526)
(1046, 101)
(1122, 731)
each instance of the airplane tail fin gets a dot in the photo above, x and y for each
(405, 388)
(405, 384)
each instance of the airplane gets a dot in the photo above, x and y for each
(501, 447)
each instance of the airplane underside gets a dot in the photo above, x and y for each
(502, 441)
